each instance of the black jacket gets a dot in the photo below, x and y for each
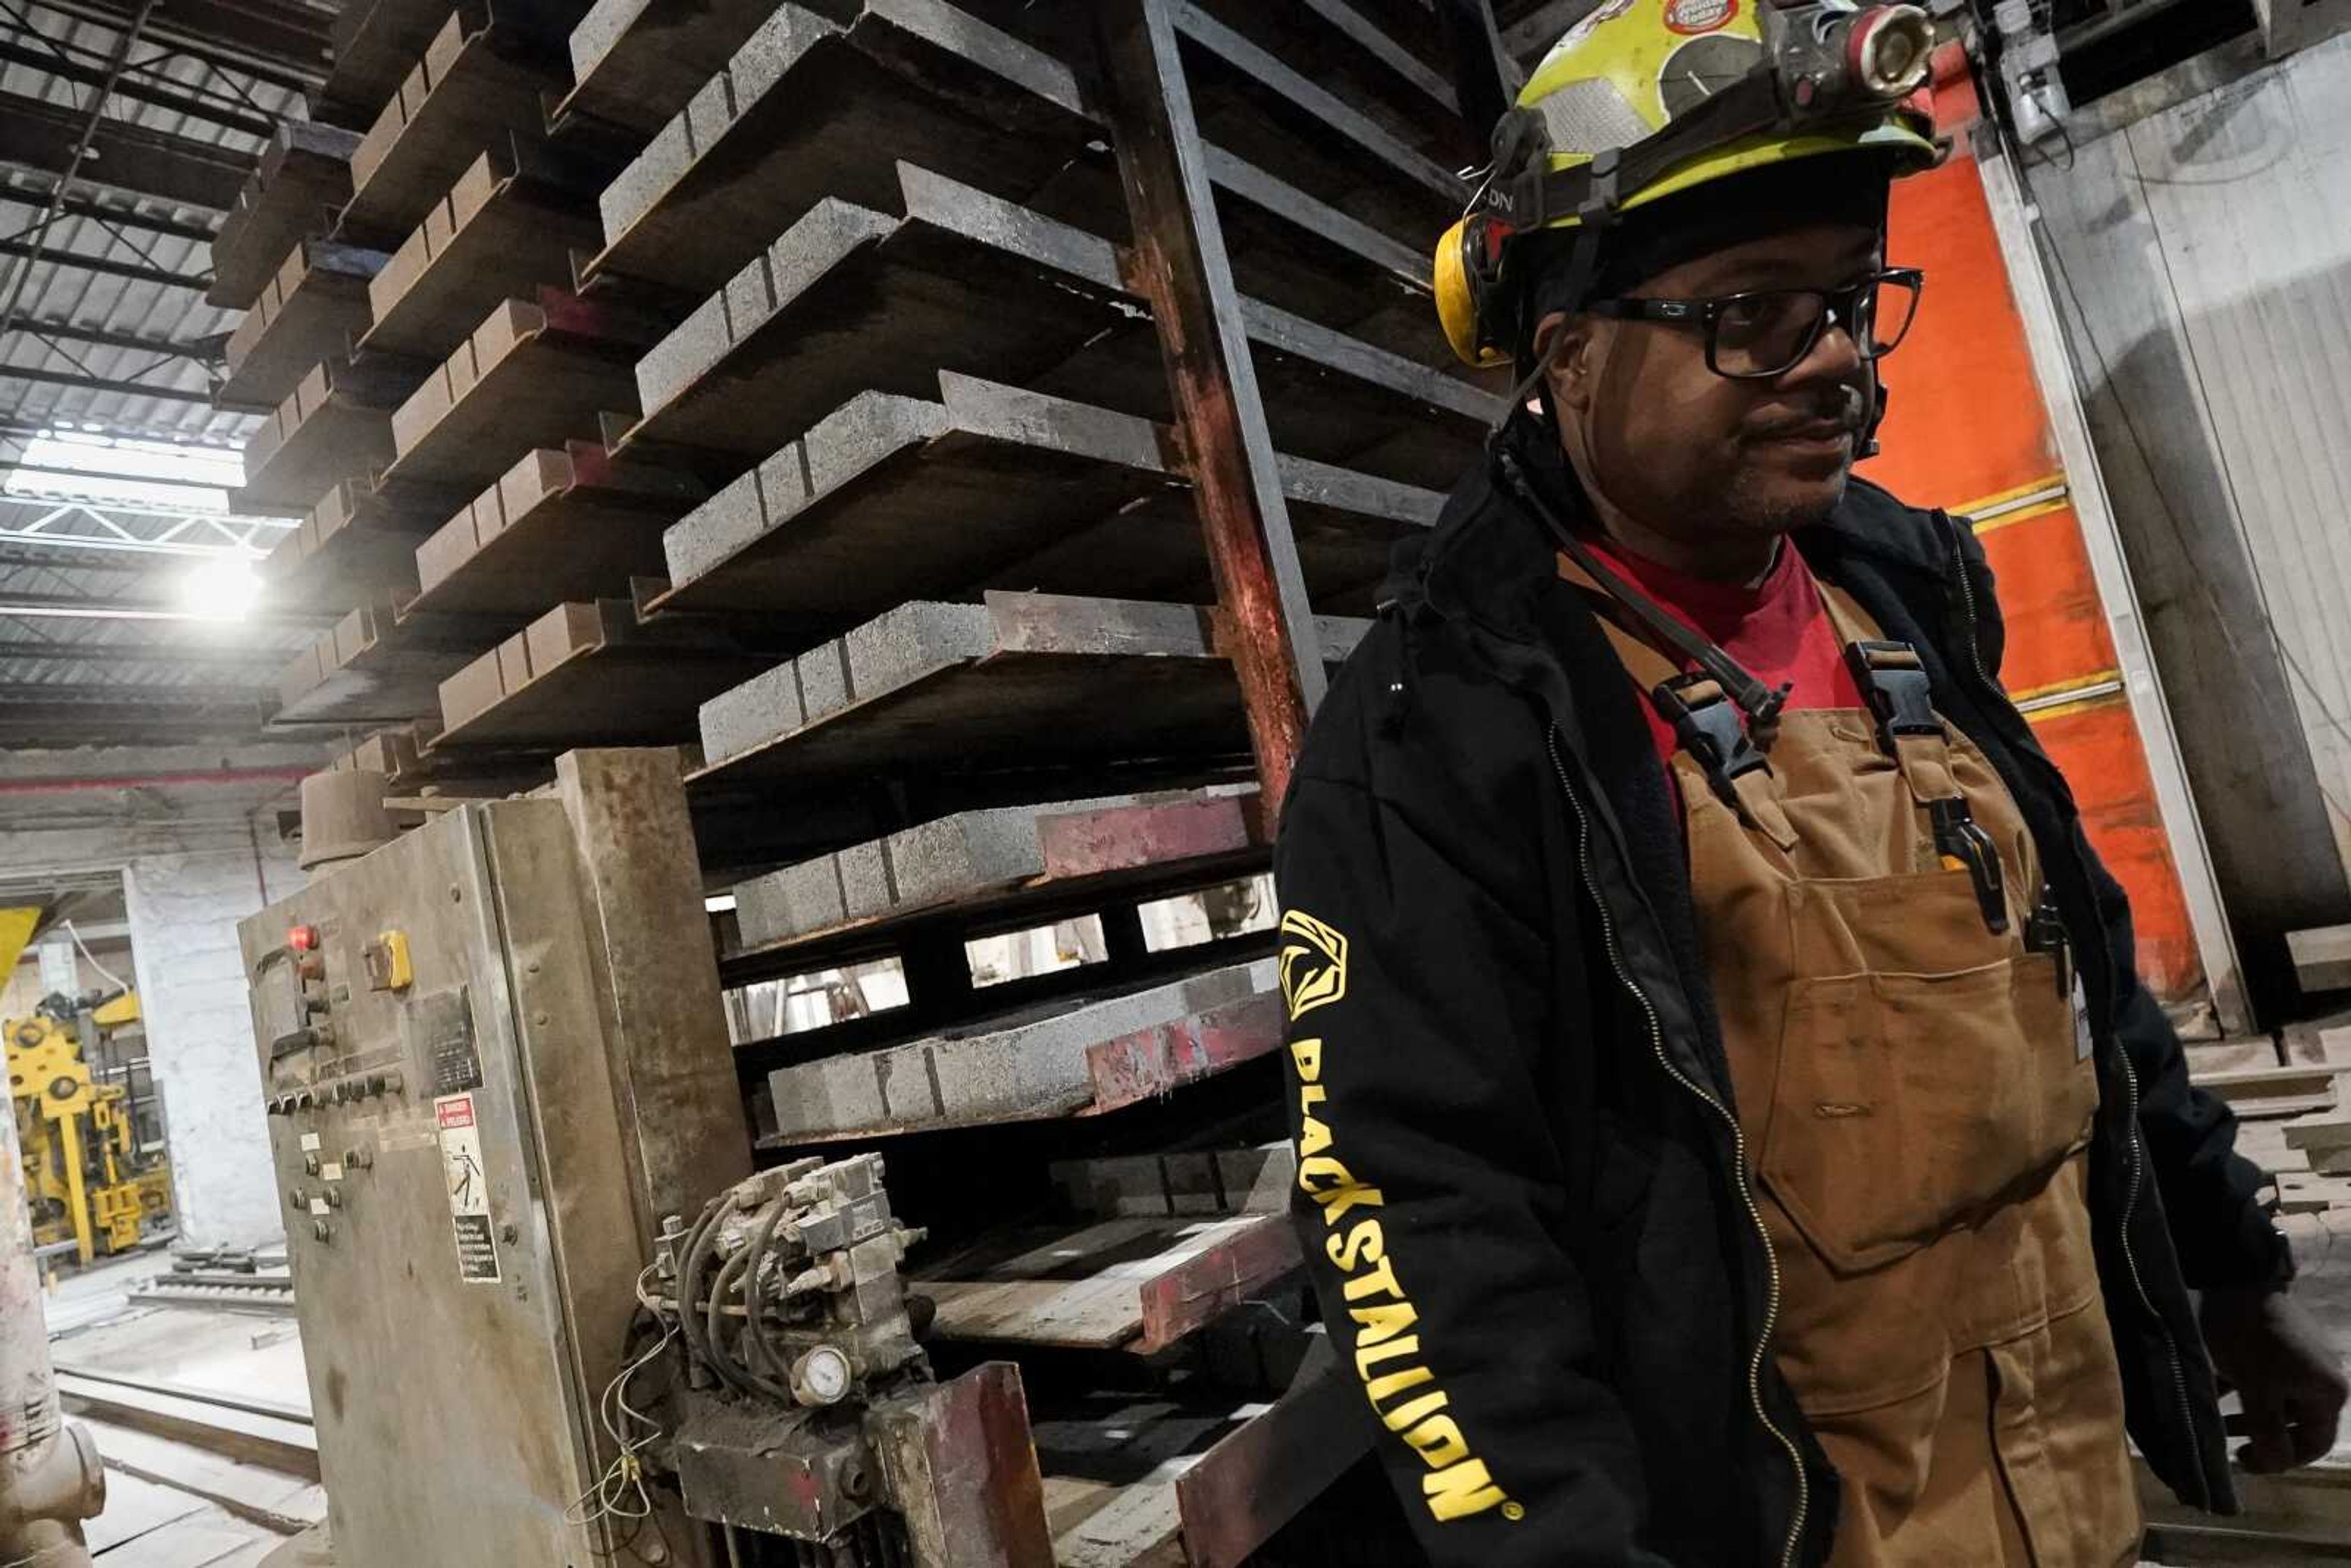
(1518, 1192)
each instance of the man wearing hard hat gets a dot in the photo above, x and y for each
(1729, 1127)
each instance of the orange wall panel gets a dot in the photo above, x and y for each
(2057, 630)
(1965, 429)
(2098, 747)
(1964, 418)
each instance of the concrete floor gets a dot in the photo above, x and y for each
(148, 1525)
(148, 1521)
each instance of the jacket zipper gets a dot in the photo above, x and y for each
(2130, 1075)
(1737, 1140)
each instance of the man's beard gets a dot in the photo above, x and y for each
(1750, 506)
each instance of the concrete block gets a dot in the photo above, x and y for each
(624, 201)
(751, 713)
(1029, 1065)
(912, 641)
(762, 61)
(958, 855)
(815, 245)
(673, 364)
(804, 897)
(750, 298)
(865, 885)
(863, 432)
(709, 114)
(716, 528)
(824, 680)
(598, 30)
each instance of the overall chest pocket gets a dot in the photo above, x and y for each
(1907, 1103)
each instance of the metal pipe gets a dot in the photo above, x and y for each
(225, 776)
(50, 1476)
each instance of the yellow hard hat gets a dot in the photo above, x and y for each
(1643, 99)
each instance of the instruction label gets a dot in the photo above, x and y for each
(468, 1184)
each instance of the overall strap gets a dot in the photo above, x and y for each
(1704, 719)
(1893, 683)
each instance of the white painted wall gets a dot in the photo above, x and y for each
(2214, 236)
(188, 884)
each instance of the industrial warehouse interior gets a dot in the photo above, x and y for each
(650, 653)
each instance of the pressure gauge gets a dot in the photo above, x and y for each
(821, 1376)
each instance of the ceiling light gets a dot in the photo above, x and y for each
(221, 589)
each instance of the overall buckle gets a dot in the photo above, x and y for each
(1893, 683)
(1709, 728)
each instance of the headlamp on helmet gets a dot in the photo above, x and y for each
(1667, 95)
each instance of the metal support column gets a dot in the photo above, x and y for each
(1184, 271)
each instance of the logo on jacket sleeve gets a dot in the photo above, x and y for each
(1313, 964)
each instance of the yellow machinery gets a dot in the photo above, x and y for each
(86, 1178)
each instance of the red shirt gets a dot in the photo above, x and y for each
(1776, 629)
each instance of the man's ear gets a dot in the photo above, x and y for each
(1563, 344)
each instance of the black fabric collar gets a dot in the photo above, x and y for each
(1485, 559)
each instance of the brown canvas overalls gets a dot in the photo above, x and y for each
(1917, 1115)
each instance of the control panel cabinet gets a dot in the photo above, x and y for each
(451, 1153)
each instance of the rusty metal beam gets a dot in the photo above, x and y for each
(230, 34)
(99, 384)
(80, 206)
(66, 69)
(207, 352)
(1183, 269)
(42, 137)
(262, 663)
(99, 264)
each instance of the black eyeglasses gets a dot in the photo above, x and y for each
(1766, 333)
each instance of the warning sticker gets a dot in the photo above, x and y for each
(1690, 17)
(468, 1185)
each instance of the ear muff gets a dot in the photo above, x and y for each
(1472, 305)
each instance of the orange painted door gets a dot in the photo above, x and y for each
(1967, 430)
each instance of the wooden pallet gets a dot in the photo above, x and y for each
(532, 374)
(1015, 680)
(564, 523)
(636, 63)
(2325, 1139)
(310, 310)
(373, 668)
(850, 299)
(2273, 1092)
(1010, 865)
(504, 228)
(302, 178)
(355, 547)
(1153, 1248)
(848, 520)
(2321, 958)
(808, 109)
(590, 675)
(1130, 1284)
(474, 88)
(1048, 1061)
(336, 423)
(377, 43)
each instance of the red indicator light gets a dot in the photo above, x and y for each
(302, 938)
